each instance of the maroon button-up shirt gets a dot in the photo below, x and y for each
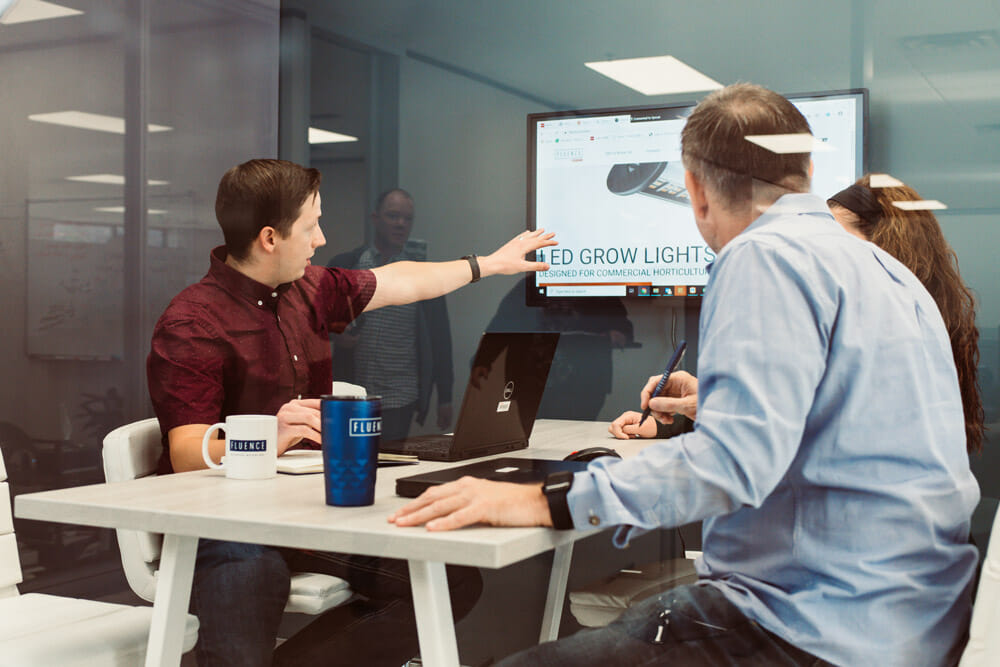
(231, 345)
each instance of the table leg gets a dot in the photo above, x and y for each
(173, 593)
(432, 607)
(557, 592)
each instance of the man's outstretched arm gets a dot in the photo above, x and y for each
(406, 282)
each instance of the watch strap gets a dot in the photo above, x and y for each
(555, 488)
(474, 265)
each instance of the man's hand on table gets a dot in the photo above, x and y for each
(626, 426)
(470, 501)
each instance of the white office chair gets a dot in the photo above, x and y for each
(38, 629)
(983, 648)
(133, 451)
(602, 602)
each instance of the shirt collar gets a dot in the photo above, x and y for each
(804, 203)
(238, 283)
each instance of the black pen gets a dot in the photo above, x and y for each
(675, 359)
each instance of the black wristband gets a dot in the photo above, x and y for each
(474, 265)
(555, 488)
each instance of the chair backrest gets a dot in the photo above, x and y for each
(10, 563)
(984, 631)
(130, 452)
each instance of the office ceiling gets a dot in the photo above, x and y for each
(933, 68)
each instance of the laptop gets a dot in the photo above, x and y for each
(503, 469)
(501, 400)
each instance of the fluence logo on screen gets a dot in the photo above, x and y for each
(248, 445)
(367, 426)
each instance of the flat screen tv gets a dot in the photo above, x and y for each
(610, 184)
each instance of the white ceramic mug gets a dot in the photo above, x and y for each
(251, 446)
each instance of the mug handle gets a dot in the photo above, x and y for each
(204, 446)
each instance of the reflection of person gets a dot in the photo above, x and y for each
(915, 238)
(826, 459)
(253, 337)
(400, 353)
(581, 374)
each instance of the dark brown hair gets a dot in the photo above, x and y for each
(258, 194)
(715, 149)
(916, 240)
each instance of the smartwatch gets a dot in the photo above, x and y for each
(555, 488)
(474, 265)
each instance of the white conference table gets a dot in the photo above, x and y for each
(290, 511)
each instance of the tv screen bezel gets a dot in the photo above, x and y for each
(678, 110)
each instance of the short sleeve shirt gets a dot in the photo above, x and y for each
(231, 345)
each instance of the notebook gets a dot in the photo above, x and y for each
(304, 461)
(501, 400)
(503, 469)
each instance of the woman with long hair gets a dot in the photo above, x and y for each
(916, 240)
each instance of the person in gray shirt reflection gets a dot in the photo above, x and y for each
(401, 353)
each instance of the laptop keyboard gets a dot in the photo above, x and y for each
(436, 446)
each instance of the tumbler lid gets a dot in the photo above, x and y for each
(338, 397)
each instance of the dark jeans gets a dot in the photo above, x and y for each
(687, 625)
(240, 591)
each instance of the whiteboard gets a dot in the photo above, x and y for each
(75, 287)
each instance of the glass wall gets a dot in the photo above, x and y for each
(118, 118)
(102, 222)
(470, 72)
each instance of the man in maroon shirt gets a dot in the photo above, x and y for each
(253, 337)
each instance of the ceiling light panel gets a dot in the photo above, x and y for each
(802, 142)
(920, 205)
(121, 209)
(659, 75)
(885, 181)
(24, 11)
(90, 121)
(109, 179)
(318, 136)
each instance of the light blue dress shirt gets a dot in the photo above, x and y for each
(828, 458)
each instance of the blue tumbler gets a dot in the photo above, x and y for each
(352, 429)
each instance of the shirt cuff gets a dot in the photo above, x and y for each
(588, 510)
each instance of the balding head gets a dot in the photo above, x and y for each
(738, 172)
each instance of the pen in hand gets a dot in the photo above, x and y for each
(675, 359)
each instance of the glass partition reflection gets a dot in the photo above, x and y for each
(204, 74)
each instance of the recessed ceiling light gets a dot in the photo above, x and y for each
(659, 75)
(318, 136)
(5, 8)
(90, 121)
(802, 142)
(920, 205)
(121, 209)
(885, 181)
(23, 11)
(109, 179)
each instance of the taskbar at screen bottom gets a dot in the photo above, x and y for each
(619, 290)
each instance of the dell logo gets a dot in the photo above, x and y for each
(508, 390)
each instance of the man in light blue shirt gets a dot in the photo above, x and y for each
(828, 458)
